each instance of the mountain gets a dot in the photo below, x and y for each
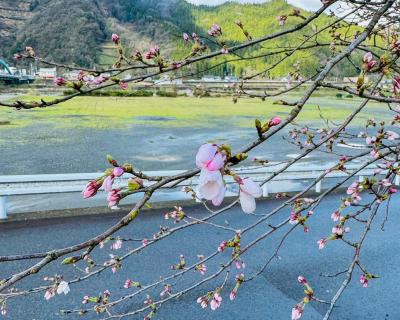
(78, 31)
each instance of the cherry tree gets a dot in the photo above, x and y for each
(376, 39)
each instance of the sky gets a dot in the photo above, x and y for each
(305, 4)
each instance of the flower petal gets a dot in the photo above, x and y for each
(210, 184)
(220, 197)
(217, 163)
(247, 202)
(250, 187)
(205, 154)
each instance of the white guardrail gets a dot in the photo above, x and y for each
(75, 182)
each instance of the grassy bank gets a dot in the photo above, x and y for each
(116, 112)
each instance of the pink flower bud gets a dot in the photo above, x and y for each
(115, 38)
(60, 82)
(275, 121)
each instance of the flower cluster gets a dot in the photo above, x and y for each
(59, 286)
(298, 309)
(177, 215)
(213, 299)
(131, 284)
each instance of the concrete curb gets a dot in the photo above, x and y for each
(156, 208)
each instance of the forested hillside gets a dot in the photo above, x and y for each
(78, 31)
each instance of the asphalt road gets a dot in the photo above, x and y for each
(270, 296)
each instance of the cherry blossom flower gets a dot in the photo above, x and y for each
(91, 189)
(222, 246)
(115, 38)
(335, 216)
(391, 135)
(60, 82)
(3, 310)
(113, 198)
(297, 312)
(109, 181)
(152, 52)
(203, 301)
(50, 293)
(275, 121)
(123, 85)
(364, 280)
(85, 300)
(209, 158)
(167, 290)
(211, 186)
(117, 245)
(396, 84)
(392, 190)
(145, 242)
(239, 264)
(63, 287)
(186, 37)
(215, 30)
(202, 268)
(374, 153)
(216, 301)
(322, 243)
(301, 280)
(368, 61)
(249, 190)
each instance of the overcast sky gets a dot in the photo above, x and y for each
(305, 4)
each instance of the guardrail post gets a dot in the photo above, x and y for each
(397, 180)
(318, 186)
(361, 179)
(265, 190)
(3, 207)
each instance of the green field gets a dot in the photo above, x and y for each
(116, 112)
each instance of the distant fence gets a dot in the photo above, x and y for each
(75, 182)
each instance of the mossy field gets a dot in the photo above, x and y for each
(117, 112)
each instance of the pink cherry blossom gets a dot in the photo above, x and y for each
(222, 246)
(50, 293)
(203, 301)
(186, 37)
(391, 135)
(297, 312)
(123, 86)
(60, 82)
(396, 84)
(368, 61)
(216, 301)
(211, 186)
(117, 245)
(301, 280)
(321, 243)
(248, 191)
(275, 121)
(209, 158)
(335, 216)
(113, 198)
(85, 299)
(115, 38)
(91, 189)
(364, 280)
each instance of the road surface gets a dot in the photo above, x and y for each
(270, 296)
